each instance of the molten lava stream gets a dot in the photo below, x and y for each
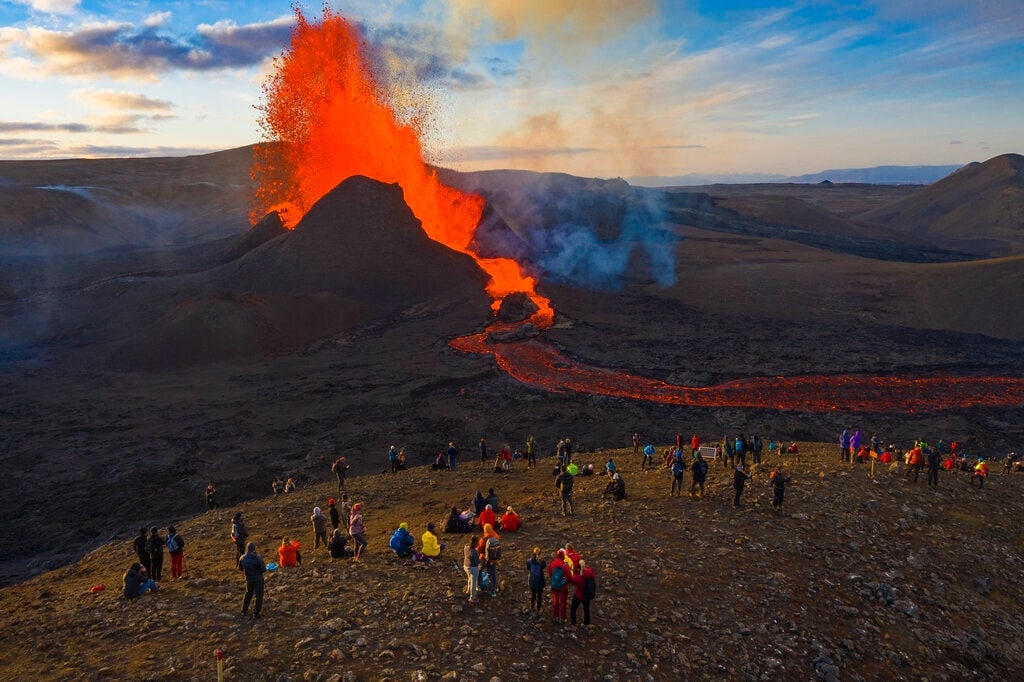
(540, 365)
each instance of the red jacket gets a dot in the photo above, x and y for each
(580, 581)
(695, 443)
(510, 522)
(486, 516)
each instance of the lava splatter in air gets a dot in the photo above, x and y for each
(326, 116)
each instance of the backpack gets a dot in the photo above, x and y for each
(536, 571)
(492, 550)
(173, 543)
(589, 588)
(557, 578)
(700, 468)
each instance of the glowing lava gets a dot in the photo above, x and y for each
(327, 118)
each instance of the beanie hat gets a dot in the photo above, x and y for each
(330, 502)
(316, 511)
(403, 525)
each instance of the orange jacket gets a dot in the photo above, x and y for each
(914, 457)
(288, 555)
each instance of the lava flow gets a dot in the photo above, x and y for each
(327, 117)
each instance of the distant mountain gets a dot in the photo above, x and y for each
(979, 209)
(878, 175)
(699, 179)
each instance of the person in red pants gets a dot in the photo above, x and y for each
(560, 574)
(176, 548)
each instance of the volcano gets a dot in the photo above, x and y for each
(359, 256)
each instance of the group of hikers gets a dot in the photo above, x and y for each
(921, 455)
(484, 517)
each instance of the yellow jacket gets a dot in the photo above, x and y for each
(430, 545)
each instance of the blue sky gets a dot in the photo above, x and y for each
(592, 87)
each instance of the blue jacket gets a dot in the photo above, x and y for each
(402, 542)
(253, 567)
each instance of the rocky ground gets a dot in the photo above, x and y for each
(855, 578)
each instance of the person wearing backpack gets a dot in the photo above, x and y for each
(155, 546)
(586, 590)
(700, 474)
(239, 534)
(176, 549)
(559, 576)
(492, 555)
(535, 567)
(678, 467)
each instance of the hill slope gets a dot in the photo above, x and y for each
(978, 210)
(853, 579)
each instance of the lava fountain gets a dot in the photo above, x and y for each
(326, 117)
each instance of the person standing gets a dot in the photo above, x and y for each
(357, 529)
(844, 445)
(559, 575)
(393, 459)
(140, 549)
(636, 442)
(699, 475)
(531, 452)
(319, 528)
(251, 564)
(739, 479)
(176, 550)
(741, 449)
(980, 473)
(335, 516)
(932, 460)
(678, 467)
(345, 510)
(694, 444)
(155, 546)
(564, 483)
(586, 587)
(854, 445)
(779, 479)
(483, 451)
(535, 566)
(340, 467)
(648, 457)
(471, 565)
(453, 455)
(239, 534)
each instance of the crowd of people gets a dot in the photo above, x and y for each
(484, 519)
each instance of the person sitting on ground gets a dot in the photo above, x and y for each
(440, 464)
(479, 502)
(487, 516)
(456, 523)
(792, 449)
(431, 547)
(492, 499)
(137, 581)
(337, 545)
(402, 540)
(510, 520)
(587, 470)
(288, 553)
(616, 488)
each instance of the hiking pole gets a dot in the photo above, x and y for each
(220, 665)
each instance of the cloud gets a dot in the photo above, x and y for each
(121, 101)
(33, 126)
(51, 6)
(563, 23)
(123, 50)
(114, 124)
